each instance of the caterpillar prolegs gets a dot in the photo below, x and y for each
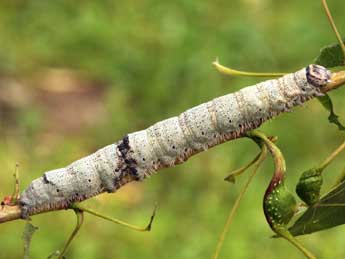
(172, 141)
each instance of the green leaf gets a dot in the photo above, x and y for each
(28, 232)
(327, 213)
(330, 56)
(326, 102)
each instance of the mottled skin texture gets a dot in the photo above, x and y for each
(171, 141)
(279, 204)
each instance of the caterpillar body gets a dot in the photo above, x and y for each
(171, 141)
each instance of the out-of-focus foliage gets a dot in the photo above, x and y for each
(76, 76)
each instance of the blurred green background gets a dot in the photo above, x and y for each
(78, 75)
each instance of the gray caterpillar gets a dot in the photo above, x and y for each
(171, 141)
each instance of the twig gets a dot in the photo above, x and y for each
(332, 156)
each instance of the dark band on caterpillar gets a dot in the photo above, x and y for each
(317, 75)
(128, 165)
(45, 179)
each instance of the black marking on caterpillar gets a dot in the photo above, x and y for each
(172, 141)
(129, 165)
(45, 180)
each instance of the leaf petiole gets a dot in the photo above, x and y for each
(233, 72)
(116, 221)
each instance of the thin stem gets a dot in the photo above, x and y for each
(341, 178)
(279, 161)
(331, 205)
(80, 221)
(220, 242)
(116, 221)
(332, 156)
(334, 27)
(287, 235)
(15, 195)
(241, 170)
(233, 72)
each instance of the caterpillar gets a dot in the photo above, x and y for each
(171, 141)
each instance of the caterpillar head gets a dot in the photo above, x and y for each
(318, 76)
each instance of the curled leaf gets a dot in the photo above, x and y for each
(327, 103)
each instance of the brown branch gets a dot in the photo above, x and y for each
(8, 213)
(337, 80)
(13, 212)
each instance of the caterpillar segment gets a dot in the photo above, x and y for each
(172, 141)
